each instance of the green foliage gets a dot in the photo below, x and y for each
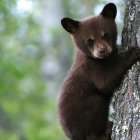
(25, 111)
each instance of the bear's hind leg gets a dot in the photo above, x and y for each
(77, 137)
(109, 130)
(93, 137)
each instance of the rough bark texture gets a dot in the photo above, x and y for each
(127, 98)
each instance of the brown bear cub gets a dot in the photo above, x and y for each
(96, 72)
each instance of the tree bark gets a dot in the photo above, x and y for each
(127, 97)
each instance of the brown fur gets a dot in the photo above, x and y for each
(96, 72)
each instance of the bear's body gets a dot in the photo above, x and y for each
(96, 72)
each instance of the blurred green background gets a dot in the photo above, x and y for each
(35, 54)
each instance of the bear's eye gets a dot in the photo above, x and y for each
(90, 42)
(106, 36)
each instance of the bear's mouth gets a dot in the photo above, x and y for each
(100, 54)
(100, 50)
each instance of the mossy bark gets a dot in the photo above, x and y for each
(127, 97)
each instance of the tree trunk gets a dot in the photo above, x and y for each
(127, 98)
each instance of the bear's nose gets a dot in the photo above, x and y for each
(103, 51)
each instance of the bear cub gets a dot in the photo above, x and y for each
(96, 72)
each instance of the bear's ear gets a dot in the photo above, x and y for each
(70, 25)
(109, 10)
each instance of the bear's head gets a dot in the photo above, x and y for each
(95, 36)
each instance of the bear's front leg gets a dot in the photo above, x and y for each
(132, 56)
